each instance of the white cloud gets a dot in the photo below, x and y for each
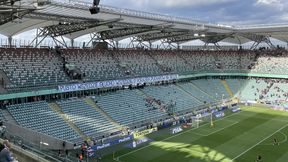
(169, 3)
(268, 2)
(183, 3)
(278, 4)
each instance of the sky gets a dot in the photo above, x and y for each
(235, 12)
(230, 12)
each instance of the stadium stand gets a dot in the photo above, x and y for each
(85, 117)
(171, 95)
(28, 68)
(95, 64)
(127, 107)
(271, 64)
(235, 85)
(140, 63)
(265, 90)
(212, 87)
(196, 92)
(169, 60)
(40, 117)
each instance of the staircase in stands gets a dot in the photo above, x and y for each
(227, 88)
(57, 109)
(103, 113)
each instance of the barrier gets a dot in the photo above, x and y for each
(219, 114)
(91, 151)
(144, 132)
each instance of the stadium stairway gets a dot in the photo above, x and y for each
(189, 93)
(90, 102)
(202, 91)
(8, 117)
(227, 88)
(57, 109)
(5, 80)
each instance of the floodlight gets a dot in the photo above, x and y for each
(94, 10)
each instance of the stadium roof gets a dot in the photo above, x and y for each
(72, 19)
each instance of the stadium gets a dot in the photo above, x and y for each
(150, 98)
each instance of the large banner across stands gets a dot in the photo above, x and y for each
(144, 132)
(114, 83)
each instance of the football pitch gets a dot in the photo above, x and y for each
(238, 137)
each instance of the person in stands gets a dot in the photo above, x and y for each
(80, 158)
(6, 154)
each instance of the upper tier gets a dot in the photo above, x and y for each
(33, 68)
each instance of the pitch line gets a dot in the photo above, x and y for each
(283, 141)
(205, 135)
(176, 135)
(259, 142)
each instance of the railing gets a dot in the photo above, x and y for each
(262, 26)
(129, 12)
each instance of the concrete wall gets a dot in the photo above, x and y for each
(24, 156)
(37, 139)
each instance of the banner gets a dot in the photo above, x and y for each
(90, 152)
(114, 83)
(219, 114)
(111, 143)
(236, 109)
(176, 130)
(144, 132)
(140, 141)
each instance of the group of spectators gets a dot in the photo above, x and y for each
(271, 88)
(164, 107)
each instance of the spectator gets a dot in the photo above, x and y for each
(6, 154)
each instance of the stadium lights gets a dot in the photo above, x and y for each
(95, 9)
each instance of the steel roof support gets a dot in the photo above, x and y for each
(168, 44)
(135, 42)
(41, 33)
(258, 39)
(263, 39)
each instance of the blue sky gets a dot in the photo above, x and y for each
(220, 11)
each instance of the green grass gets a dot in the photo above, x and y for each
(238, 137)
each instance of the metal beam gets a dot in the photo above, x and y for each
(161, 35)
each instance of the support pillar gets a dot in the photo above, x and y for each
(10, 39)
(117, 44)
(150, 44)
(72, 43)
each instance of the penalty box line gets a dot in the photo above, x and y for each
(205, 135)
(131, 152)
(259, 142)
